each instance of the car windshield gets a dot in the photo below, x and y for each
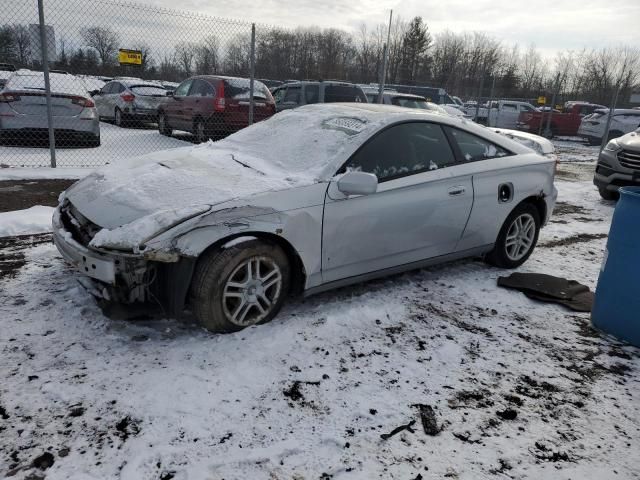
(148, 90)
(60, 83)
(298, 143)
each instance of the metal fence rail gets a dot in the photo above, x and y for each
(139, 53)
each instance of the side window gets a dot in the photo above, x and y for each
(474, 148)
(402, 150)
(292, 95)
(526, 108)
(182, 89)
(278, 95)
(119, 88)
(200, 88)
(311, 93)
(509, 107)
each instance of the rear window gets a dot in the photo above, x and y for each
(343, 93)
(60, 83)
(238, 89)
(148, 90)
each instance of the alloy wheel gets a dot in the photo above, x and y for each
(520, 237)
(251, 291)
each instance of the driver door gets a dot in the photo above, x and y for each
(419, 211)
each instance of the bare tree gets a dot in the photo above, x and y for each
(104, 41)
(185, 54)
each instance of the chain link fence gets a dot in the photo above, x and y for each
(118, 81)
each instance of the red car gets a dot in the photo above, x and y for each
(212, 106)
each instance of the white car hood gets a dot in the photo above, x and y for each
(172, 180)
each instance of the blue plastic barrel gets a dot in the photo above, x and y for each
(616, 307)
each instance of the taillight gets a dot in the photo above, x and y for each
(83, 102)
(128, 97)
(219, 104)
(9, 97)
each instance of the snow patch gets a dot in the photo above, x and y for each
(24, 222)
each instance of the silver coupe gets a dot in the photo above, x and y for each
(312, 199)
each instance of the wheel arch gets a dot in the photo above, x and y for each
(538, 202)
(298, 272)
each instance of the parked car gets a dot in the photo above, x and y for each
(413, 101)
(431, 94)
(23, 108)
(212, 106)
(501, 113)
(618, 165)
(5, 75)
(129, 100)
(296, 94)
(91, 83)
(170, 86)
(311, 199)
(623, 120)
(566, 122)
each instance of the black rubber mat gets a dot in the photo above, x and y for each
(548, 288)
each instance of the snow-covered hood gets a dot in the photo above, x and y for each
(630, 141)
(167, 185)
(540, 144)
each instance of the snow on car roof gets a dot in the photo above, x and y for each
(60, 83)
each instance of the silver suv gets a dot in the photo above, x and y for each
(296, 94)
(618, 165)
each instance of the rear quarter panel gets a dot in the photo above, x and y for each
(531, 176)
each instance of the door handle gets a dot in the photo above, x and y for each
(457, 190)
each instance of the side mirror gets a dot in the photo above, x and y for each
(169, 93)
(358, 183)
(93, 93)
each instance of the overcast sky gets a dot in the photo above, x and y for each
(551, 25)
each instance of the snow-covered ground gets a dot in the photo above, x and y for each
(519, 389)
(117, 143)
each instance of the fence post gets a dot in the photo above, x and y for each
(252, 73)
(385, 57)
(614, 101)
(47, 85)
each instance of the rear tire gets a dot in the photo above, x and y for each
(517, 238)
(239, 286)
(200, 131)
(118, 118)
(163, 125)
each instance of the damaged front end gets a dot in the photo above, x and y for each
(122, 276)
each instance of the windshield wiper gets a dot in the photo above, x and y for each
(245, 164)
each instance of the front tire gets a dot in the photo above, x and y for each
(607, 194)
(240, 286)
(517, 238)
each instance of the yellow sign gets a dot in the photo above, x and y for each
(542, 100)
(129, 57)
